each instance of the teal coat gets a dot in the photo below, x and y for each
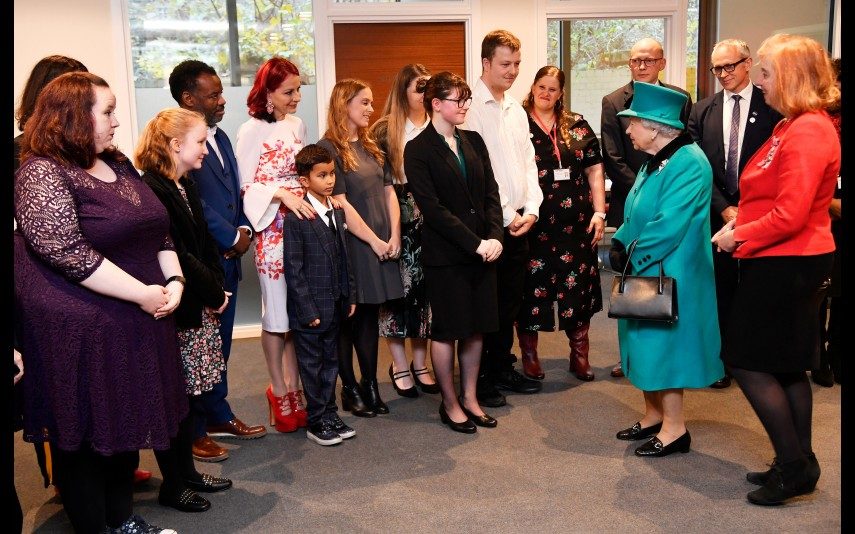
(667, 210)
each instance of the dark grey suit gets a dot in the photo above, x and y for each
(320, 286)
(706, 126)
(620, 159)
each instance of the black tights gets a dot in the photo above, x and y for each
(359, 332)
(96, 490)
(784, 404)
(176, 463)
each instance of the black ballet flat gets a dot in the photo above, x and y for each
(466, 427)
(208, 484)
(636, 432)
(481, 420)
(654, 447)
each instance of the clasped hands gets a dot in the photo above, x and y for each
(723, 239)
(387, 250)
(521, 224)
(489, 250)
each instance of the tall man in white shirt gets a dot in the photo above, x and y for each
(729, 126)
(503, 124)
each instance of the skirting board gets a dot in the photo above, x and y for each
(246, 330)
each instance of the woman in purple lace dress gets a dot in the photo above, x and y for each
(94, 291)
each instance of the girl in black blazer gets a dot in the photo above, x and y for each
(173, 143)
(452, 181)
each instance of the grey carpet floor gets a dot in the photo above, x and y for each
(552, 465)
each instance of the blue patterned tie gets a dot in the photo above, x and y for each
(731, 169)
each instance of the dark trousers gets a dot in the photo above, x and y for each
(317, 358)
(726, 269)
(176, 463)
(510, 275)
(360, 332)
(211, 407)
(96, 490)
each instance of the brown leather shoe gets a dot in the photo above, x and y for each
(205, 450)
(236, 429)
(617, 371)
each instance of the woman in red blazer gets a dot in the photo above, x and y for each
(782, 237)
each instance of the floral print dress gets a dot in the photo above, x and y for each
(265, 152)
(562, 267)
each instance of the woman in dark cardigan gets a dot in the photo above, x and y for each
(173, 143)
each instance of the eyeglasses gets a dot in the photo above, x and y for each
(461, 103)
(648, 62)
(726, 68)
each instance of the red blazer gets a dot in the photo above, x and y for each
(786, 188)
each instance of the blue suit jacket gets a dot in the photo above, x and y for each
(221, 200)
(317, 272)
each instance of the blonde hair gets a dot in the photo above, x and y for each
(153, 153)
(389, 130)
(337, 132)
(803, 75)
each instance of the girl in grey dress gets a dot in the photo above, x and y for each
(364, 188)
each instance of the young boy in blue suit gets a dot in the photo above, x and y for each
(321, 293)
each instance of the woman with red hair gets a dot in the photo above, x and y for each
(266, 146)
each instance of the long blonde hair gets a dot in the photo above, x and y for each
(803, 76)
(389, 130)
(153, 153)
(337, 132)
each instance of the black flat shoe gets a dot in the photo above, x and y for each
(466, 427)
(186, 501)
(636, 432)
(784, 481)
(487, 394)
(372, 397)
(759, 478)
(208, 484)
(351, 401)
(654, 447)
(426, 388)
(411, 392)
(481, 420)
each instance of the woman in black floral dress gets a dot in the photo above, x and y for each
(562, 265)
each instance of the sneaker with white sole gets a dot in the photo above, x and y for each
(323, 434)
(340, 428)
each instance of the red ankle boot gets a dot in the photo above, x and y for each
(528, 347)
(579, 345)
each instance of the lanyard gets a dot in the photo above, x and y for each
(553, 136)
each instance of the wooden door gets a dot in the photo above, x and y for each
(375, 52)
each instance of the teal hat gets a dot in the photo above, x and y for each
(656, 103)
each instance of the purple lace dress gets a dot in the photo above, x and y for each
(98, 369)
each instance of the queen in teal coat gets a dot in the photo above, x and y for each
(667, 212)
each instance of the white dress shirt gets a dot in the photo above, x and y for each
(324, 211)
(504, 128)
(727, 113)
(410, 133)
(212, 131)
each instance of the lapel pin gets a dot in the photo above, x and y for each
(752, 119)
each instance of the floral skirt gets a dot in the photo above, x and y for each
(202, 354)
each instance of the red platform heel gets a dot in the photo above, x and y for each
(282, 417)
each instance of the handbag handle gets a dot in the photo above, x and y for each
(629, 262)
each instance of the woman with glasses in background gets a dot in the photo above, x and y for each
(404, 117)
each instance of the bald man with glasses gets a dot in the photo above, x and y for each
(621, 160)
(729, 126)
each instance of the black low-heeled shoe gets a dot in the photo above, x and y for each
(411, 392)
(466, 427)
(351, 401)
(371, 393)
(655, 447)
(186, 501)
(208, 484)
(636, 432)
(426, 388)
(481, 420)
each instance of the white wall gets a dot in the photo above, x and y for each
(519, 18)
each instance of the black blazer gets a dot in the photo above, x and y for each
(458, 211)
(706, 126)
(620, 159)
(317, 271)
(196, 249)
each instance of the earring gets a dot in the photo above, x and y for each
(269, 106)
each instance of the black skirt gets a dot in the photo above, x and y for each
(463, 300)
(773, 324)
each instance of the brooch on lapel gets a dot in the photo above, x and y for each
(752, 119)
(661, 166)
(771, 154)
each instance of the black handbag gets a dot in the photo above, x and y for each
(644, 298)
